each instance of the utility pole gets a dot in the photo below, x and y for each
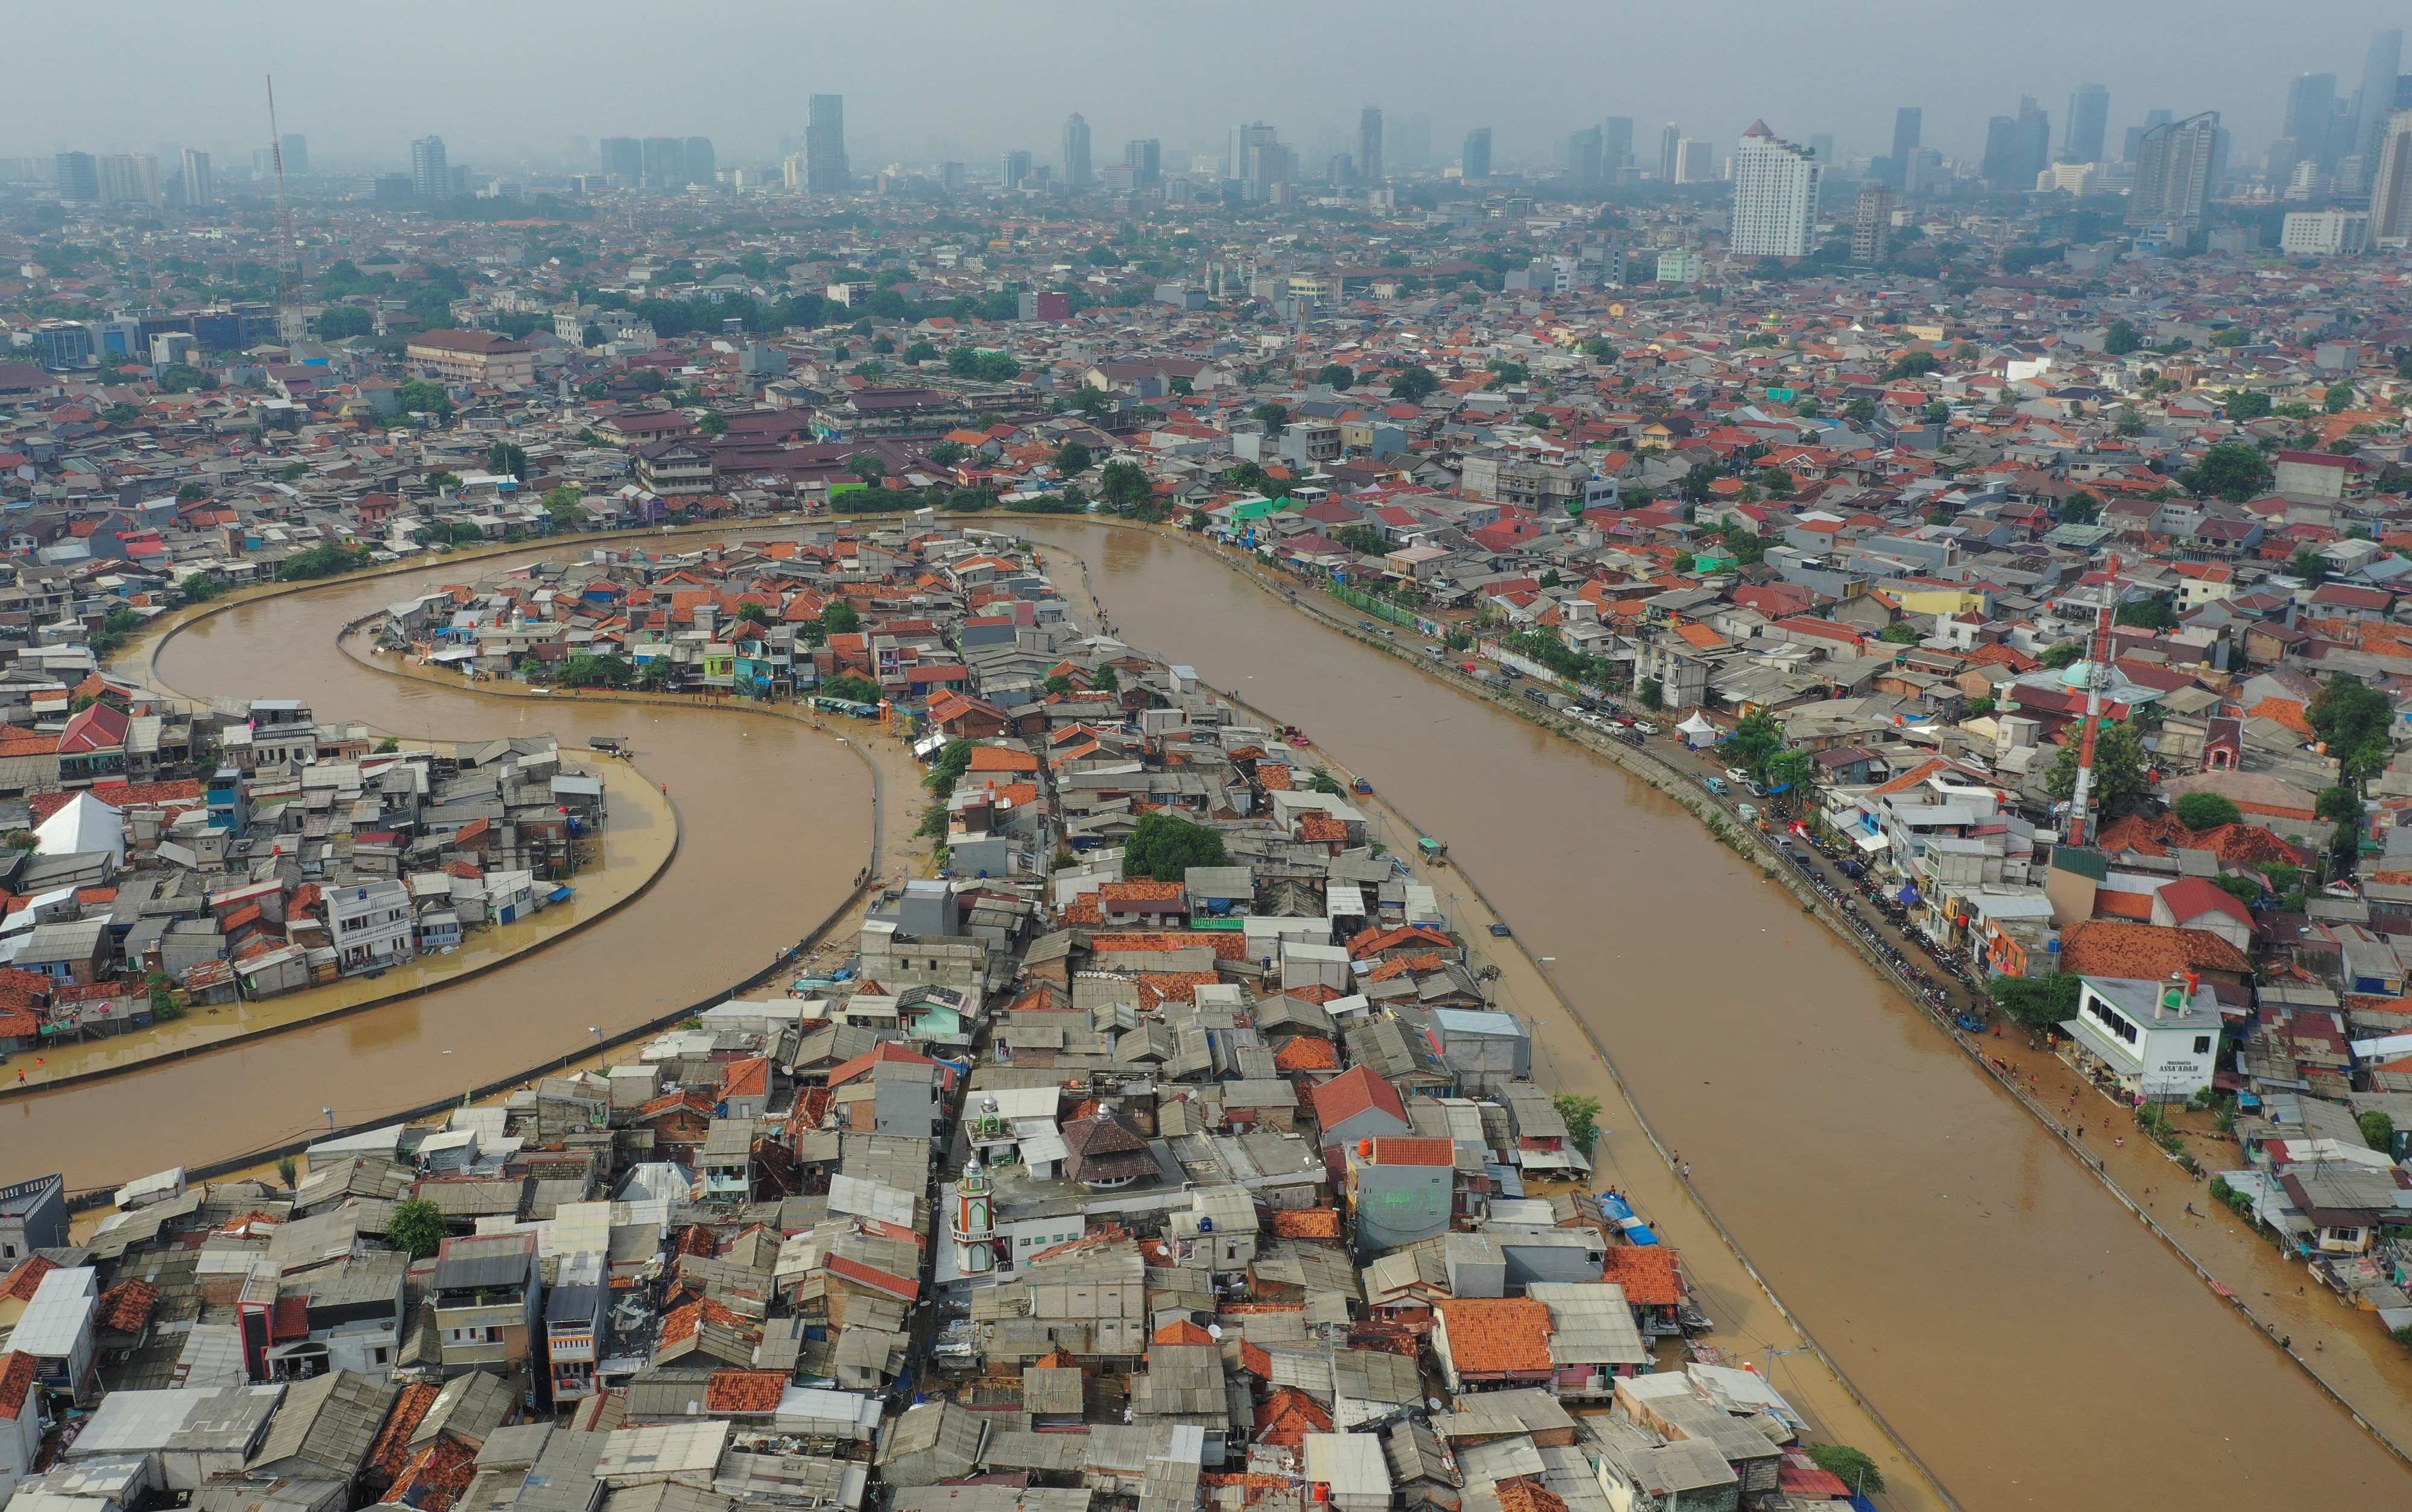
(289, 320)
(2096, 670)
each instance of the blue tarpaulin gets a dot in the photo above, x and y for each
(1906, 896)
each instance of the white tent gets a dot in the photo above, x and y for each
(1697, 730)
(86, 824)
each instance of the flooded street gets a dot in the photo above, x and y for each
(777, 820)
(2032, 1342)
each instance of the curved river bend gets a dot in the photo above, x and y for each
(2034, 1344)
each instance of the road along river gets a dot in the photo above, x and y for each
(777, 820)
(2025, 1336)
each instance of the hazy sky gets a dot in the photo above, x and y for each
(503, 79)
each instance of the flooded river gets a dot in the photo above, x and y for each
(2032, 1342)
(777, 819)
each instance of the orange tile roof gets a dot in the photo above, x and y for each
(1493, 1334)
(1003, 759)
(26, 1279)
(1647, 1272)
(1523, 1493)
(16, 1383)
(126, 1306)
(2108, 948)
(1317, 825)
(1304, 1052)
(435, 1477)
(1306, 1222)
(744, 1391)
(1413, 1152)
(1289, 1415)
(1141, 892)
(1182, 1332)
(747, 1079)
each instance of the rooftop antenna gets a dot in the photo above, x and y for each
(2096, 677)
(289, 319)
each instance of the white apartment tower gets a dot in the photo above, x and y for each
(1775, 196)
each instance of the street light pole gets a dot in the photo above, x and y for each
(601, 1049)
(331, 1120)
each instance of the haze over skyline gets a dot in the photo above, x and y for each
(504, 83)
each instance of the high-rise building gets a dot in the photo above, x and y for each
(950, 177)
(1695, 160)
(1076, 153)
(1369, 146)
(199, 189)
(825, 170)
(623, 158)
(1871, 225)
(2135, 141)
(1584, 157)
(1616, 144)
(1670, 138)
(1145, 158)
(1013, 167)
(2374, 102)
(1775, 196)
(297, 153)
(1907, 122)
(2088, 123)
(1259, 160)
(428, 176)
(2309, 121)
(1475, 163)
(2035, 142)
(700, 166)
(75, 176)
(2175, 166)
(665, 163)
(1415, 152)
(2391, 189)
(130, 179)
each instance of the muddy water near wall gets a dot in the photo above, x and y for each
(2032, 1342)
(776, 821)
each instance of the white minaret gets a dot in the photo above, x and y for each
(974, 1220)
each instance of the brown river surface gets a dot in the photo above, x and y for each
(2029, 1339)
(776, 821)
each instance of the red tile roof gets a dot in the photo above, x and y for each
(1415, 1152)
(1351, 1092)
(1182, 1332)
(126, 1306)
(26, 1279)
(1304, 1052)
(744, 1391)
(1493, 1334)
(1306, 1222)
(391, 1448)
(16, 1383)
(1287, 1415)
(1647, 1272)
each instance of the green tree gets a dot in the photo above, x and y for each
(1757, 737)
(2156, 614)
(415, 1228)
(1852, 1466)
(2378, 1131)
(191, 491)
(1271, 416)
(287, 1171)
(2309, 565)
(853, 688)
(2245, 405)
(1125, 485)
(867, 466)
(2121, 338)
(1899, 635)
(840, 618)
(199, 588)
(503, 457)
(337, 321)
(1414, 384)
(1506, 372)
(1652, 692)
(2337, 804)
(2338, 397)
(2118, 764)
(1072, 459)
(2080, 509)
(713, 423)
(752, 613)
(2037, 1002)
(424, 396)
(2199, 812)
(2229, 469)
(1582, 1116)
(320, 561)
(953, 761)
(1320, 781)
(947, 453)
(1910, 365)
(2067, 653)
(2352, 719)
(1335, 375)
(1163, 847)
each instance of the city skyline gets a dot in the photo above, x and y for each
(1804, 84)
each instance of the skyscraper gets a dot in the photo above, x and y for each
(1775, 196)
(430, 179)
(1671, 137)
(1871, 225)
(1415, 144)
(1076, 153)
(297, 153)
(2135, 142)
(1582, 157)
(130, 179)
(1475, 163)
(1013, 167)
(825, 145)
(1145, 158)
(2309, 120)
(1907, 122)
(2035, 141)
(1822, 145)
(700, 168)
(2374, 103)
(2174, 167)
(199, 189)
(1616, 144)
(2391, 189)
(1695, 160)
(2088, 123)
(623, 158)
(77, 178)
(1369, 145)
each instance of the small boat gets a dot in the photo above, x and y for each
(1500, 931)
(1620, 1213)
(1362, 786)
(1432, 850)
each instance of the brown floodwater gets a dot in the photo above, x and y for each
(2028, 1338)
(2032, 1342)
(776, 822)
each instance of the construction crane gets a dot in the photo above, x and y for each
(290, 323)
(2092, 673)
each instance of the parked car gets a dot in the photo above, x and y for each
(1646, 727)
(1435, 650)
(1537, 696)
(1735, 774)
(1364, 624)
